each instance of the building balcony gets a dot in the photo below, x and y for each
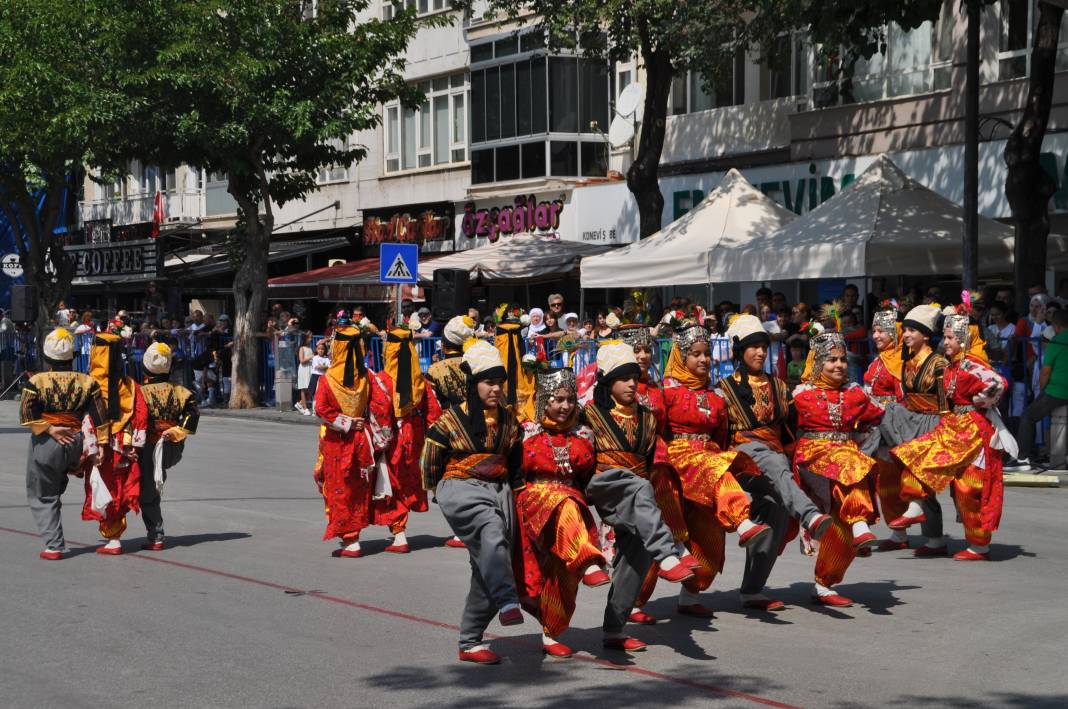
(179, 207)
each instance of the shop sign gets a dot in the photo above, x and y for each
(98, 232)
(407, 227)
(116, 261)
(526, 214)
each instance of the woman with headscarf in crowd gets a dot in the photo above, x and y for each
(830, 465)
(558, 536)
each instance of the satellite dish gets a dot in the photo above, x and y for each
(621, 132)
(629, 99)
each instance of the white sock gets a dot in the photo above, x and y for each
(934, 542)
(546, 640)
(822, 590)
(477, 648)
(457, 538)
(670, 563)
(688, 598)
(399, 539)
(745, 526)
(914, 509)
(355, 546)
(113, 544)
(508, 606)
(898, 535)
(681, 550)
(860, 528)
(985, 549)
(591, 569)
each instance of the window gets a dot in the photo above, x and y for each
(390, 8)
(688, 93)
(435, 133)
(519, 93)
(1017, 22)
(785, 71)
(333, 173)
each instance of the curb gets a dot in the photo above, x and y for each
(262, 414)
(1031, 480)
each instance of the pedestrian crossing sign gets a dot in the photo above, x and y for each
(398, 263)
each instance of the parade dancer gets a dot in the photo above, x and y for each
(923, 398)
(558, 536)
(713, 501)
(172, 417)
(352, 434)
(830, 465)
(519, 388)
(65, 412)
(398, 489)
(119, 470)
(759, 408)
(471, 459)
(882, 383)
(447, 379)
(625, 441)
(966, 446)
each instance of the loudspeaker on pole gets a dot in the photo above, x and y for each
(452, 293)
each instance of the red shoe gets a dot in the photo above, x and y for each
(764, 604)
(455, 543)
(754, 535)
(891, 545)
(969, 555)
(113, 551)
(696, 610)
(819, 526)
(558, 650)
(690, 561)
(904, 522)
(834, 600)
(51, 555)
(398, 549)
(627, 644)
(152, 546)
(512, 616)
(926, 552)
(864, 553)
(596, 578)
(865, 541)
(338, 553)
(642, 618)
(480, 657)
(678, 574)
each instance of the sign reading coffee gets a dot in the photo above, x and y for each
(116, 261)
(417, 225)
(525, 215)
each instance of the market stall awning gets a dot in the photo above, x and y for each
(688, 250)
(314, 277)
(883, 224)
(517, 258)
(213, 260)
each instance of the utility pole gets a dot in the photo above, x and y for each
(970, 275)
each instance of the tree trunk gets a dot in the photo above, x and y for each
(642, 177)
(1027, 186)
(250, 302)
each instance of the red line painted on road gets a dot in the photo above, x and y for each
(723, 691)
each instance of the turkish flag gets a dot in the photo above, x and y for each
(157, 214)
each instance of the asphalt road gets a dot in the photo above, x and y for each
(247, 609)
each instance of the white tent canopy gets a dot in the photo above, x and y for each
(515, 258)
(883, 224)
(688, 250)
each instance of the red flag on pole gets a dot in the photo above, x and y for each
(157, 214)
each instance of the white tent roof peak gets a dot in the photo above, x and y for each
(687, 250)
(513, 258)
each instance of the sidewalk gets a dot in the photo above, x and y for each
(262, 413)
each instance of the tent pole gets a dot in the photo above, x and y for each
(582, 303)
(526, 288)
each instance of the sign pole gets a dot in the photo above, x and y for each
(399, 315)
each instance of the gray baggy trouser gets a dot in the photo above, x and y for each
(482, 514)
(900, 425)
(150, 496)
(626, 502)
(47, 464)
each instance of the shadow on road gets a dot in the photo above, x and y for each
(190, 540)
(1005, 700)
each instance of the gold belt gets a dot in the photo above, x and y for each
(552, 481)
(884, 400)
(839, 436)
(963, 409)
(704, 437)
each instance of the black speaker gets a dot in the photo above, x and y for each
(452, 293)
(23, 303)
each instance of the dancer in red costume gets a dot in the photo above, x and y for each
(119, 470)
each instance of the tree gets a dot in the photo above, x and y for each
(267, 92)
(1028, 187)
(64, 65)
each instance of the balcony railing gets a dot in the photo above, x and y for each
(178, 206)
